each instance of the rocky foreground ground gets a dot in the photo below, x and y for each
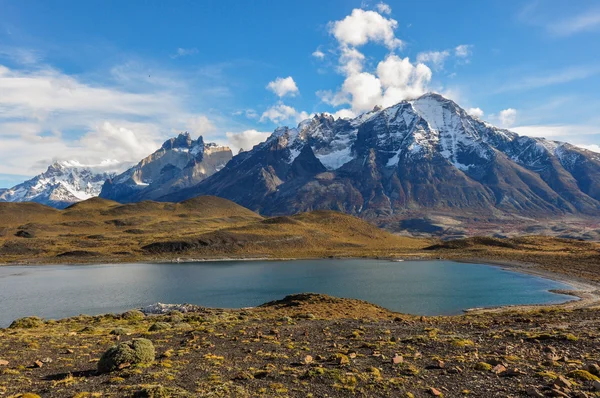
(305, 346)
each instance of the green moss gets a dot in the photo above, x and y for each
(483, 366)
(27, 323)
(159, 326)
(119, 332)
(583, 375)
(137, 351)
(133, 315)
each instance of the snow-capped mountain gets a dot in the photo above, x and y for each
(64, 183)
(414, 157)
(180, 162)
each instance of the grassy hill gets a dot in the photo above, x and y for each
(203, 227)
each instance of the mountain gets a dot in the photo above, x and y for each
(64, 183)
(418, 158)
(180, 163)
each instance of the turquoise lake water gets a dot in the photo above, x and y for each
(415, 287)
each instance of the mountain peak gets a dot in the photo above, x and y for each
(183, 140)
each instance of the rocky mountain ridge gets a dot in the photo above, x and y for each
(179, 163)
(424, 156)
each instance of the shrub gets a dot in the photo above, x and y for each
(159, 326)
(137, 351)
(27, 323)
(119, 332)
(133, 315)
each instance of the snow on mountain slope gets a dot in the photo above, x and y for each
(63, 183)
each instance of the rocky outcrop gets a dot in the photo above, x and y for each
(180, 162)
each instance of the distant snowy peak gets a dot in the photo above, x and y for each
(63, 183)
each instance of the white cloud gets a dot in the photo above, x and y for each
(281, 112)
(200, 125)
(507, 117)
(182, 52)
(435, 58)
(463, 50)
(384, 8)
(283, 86)
(48, 115)
(362, 26)
(21, 56)
(395, 79)
(586, 21)
(476, 112)
(556, 130)
(344, 114)
(318, 54)
(592, 147)
(246, 139)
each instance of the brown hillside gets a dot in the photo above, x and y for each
(99, 230)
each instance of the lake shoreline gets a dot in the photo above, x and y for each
(586, 293)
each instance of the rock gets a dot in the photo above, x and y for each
(137, 351)
(499, 369)
(557, 393)
(594, 369)
(513, 372)
(563, 382)
(397, 359)
(47, 360)
(3, 362)
(435, 392)
(596, 385)
(533, 392)
(38, 364)
(308, 359)
(436, 365)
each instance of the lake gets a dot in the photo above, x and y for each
(415, 287)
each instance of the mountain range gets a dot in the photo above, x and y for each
(417, 158)
(420, 165)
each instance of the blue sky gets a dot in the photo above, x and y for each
(105, 82)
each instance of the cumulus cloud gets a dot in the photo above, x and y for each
(476, 112)
(283, 86)
(435, 58)
(507, 117)
(246, 139)
(281, 112)
(362, 26)
(393, 80)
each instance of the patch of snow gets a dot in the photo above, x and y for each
(335, 160)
